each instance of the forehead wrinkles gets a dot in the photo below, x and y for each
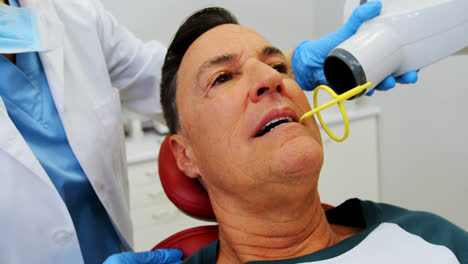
(225, 39)
(222, 40)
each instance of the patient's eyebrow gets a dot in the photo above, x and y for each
(271, 50)
(221, 59)
(229, 57)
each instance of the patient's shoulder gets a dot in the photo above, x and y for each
(207, 254)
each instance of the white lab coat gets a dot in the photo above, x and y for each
(92, 65)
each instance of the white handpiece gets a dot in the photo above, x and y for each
(406, 36)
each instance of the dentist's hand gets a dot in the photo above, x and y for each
(308, 57)
(389, 82)
(159, 256)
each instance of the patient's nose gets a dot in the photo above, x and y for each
(264, 81)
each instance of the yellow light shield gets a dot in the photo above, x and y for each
(338, 99)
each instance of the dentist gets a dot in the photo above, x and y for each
(67, 67)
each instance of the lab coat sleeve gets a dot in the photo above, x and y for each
(134, 66)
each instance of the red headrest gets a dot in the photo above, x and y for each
(185, 193)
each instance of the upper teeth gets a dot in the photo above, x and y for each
(287, 118)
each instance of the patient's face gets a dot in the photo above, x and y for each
(239, 109)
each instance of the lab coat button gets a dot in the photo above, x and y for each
(63, 236)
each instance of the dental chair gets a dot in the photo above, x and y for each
(191, 199)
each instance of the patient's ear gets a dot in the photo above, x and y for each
(183, 155)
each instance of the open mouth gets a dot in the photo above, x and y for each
(270, 126)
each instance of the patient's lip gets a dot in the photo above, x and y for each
(275, 113)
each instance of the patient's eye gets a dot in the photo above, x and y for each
(222, 77)
(280, 67)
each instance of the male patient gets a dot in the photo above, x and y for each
(232, 106)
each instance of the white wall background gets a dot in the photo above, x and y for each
(422, 129)
(159, 19)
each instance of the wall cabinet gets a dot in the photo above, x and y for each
(154, 217)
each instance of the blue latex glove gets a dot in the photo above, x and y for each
(389, 82)
(308, 57)
(159, 256)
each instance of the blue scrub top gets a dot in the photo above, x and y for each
(26, 94)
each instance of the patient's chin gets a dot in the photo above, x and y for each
(301, 157)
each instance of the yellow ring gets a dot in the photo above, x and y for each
(337, 99)
(342, 109)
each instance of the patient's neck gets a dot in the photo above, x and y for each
(293, 231)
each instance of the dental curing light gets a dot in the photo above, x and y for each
(406, 36)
